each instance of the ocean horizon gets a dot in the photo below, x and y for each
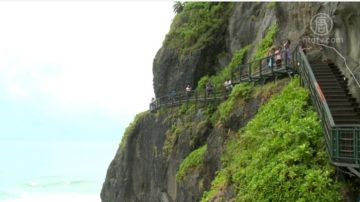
(45, 170)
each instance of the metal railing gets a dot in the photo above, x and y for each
(342, 140)
(257, 70)
(194, 96)
(354, 75)
(261, 69)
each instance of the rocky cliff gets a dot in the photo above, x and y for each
(182, 154)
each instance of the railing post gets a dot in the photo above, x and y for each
(336, 137)
(260, 70)
(249, 71)
(357, 139)
(240, 73)
(196, 97)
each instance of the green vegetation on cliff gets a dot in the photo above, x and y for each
(225, 74)
(197, 24)
(279, 156)
(238, 96)
(193, 161)
(264, 45)
(182, 123)
(244, 93)
(131, 128)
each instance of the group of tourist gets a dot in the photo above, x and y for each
(279, 54)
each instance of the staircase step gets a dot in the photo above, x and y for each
(329, 75)
(328, 79)
(326, 73)
(331, 86)
(343, 110)
(347, 151)
(352, 115)
(335, 91)
(350, 119)
(341, 82)
(346, 121)
(341, 103)
(339, 108)
(321, 70)
(324, 68)
(337, 102)
(332, 65)
(348, 111)
(339, 97)
(320, 66)
(346, 101)
(346, 139)
(347, 107)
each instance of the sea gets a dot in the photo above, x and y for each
(54, 171)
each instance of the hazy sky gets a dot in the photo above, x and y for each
(77, 69)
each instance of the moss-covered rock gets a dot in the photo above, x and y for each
(193, 161)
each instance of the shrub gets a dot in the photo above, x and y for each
(225, 74)
(193, 161)
(239, 93)
(279, 155)
(197, 25)
(263, 46)
(171, 136)
(130, 129)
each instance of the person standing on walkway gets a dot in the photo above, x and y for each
(188, 90)
(208, 89)
(286, 52)
(271, 59)
(278, 58)
(152, 104)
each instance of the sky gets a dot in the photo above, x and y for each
(77, 69)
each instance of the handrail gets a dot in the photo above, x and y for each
(342, 140)
(305, 66)
(257, 69)
(254, 73)
(178, 98)
(342, 57)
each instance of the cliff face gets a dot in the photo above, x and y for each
(145, 168)
(247, 24)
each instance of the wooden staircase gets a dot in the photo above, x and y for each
(343, 107)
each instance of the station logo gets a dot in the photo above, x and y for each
(321, 24)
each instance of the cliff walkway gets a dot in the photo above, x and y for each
(255, 71)
(338, 111)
